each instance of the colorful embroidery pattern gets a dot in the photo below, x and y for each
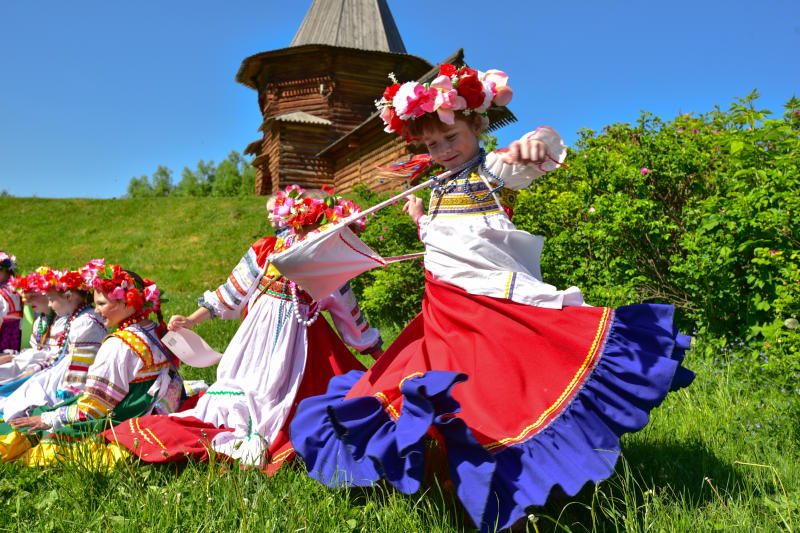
(457, 203)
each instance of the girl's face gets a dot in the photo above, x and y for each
(111, 311)
(64, 303)
(274, 221)
(38, 302)
(454, 144)
(5, 275)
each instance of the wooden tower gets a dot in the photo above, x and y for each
(317, 98)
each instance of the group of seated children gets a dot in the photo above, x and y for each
(76, 380)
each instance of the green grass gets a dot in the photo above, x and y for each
(721, 455)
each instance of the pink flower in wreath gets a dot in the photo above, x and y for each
(117, 294)
(502, 92)
(413, 100)
(295, 187)
(151, 293)
(447, 99)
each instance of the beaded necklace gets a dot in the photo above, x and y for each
(445, 183)
(133, 319)
(296, 308)
(64, 337)
(44, 326)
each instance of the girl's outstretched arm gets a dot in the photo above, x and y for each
(179, 321)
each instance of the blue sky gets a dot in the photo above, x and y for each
(93, 92)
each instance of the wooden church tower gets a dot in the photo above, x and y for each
(317, 98)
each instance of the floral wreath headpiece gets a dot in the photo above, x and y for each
(465, 89)
(117, 284)
(8, 262)
(39, 281)
(291, 209)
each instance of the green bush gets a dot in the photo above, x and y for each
(700, 212)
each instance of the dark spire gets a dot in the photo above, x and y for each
(363, 24)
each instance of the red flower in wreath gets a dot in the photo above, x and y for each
(105, 285)
(72, 280)
(327, 189)
(395, 123)
(466, 71)
(446, 69)
(471, 89)
(134, 299)
(314, 213)
(391, 90)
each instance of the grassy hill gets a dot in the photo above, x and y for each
(186, 245)
(721, 455)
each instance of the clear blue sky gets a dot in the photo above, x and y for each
(94, 92)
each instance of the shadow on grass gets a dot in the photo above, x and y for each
(678, 473)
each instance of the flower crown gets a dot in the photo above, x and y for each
(8, 262)
(27, 284)
(291, 209)
(454, 89)
(71, 280)
(117, 284)
(39, 281)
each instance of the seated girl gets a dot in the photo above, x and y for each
(132, 374)
(33, 290)
(279, 355)
(62, 372)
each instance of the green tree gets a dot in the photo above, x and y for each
(162, 181)
(140, 187)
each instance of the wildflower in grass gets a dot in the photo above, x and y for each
(645, 171)
(592, 209)
(791, 323)
(773, 252)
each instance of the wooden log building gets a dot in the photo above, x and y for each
(317, 99)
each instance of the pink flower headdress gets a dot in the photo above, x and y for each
(117, 284)
(292, 209)
(465, 90)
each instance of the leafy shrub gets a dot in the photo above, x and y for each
(700, 212)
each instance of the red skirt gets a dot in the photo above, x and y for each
(520, 399)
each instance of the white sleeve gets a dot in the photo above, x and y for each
(350, 321)
(5, 307)
(520, 176)
(229, 299)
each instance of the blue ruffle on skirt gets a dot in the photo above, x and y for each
(356, 443)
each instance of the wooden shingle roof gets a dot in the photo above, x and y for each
(363, 24)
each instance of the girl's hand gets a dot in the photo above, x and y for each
(6, 358)
(33, 423)
(177, 322)
(525, 151)
(414, 207)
